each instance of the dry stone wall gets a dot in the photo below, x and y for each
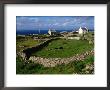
(25, 54)
(52, 62)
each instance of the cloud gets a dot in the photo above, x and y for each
(65, 23)
(45, 22)
(55, 24)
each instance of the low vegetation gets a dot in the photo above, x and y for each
(64, 48)
(25, 42)
(89, 37)
(76, 67)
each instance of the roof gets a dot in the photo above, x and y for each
(52, 30)
(84, 29)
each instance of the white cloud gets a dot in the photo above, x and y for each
(56, 24)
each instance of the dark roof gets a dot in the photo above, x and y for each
(84, 29)
(52, 30)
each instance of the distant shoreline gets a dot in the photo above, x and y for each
(28, 32)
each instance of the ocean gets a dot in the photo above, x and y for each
(28, 32)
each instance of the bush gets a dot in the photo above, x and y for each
(79, 65)
(60, 47)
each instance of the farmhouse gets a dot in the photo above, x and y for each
(82, 30)
(52, 32)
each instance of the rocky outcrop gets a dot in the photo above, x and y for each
(52, 62)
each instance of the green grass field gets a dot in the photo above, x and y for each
(64, 48)
(57, 48)
(23, 43)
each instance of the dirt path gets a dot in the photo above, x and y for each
(52, 62)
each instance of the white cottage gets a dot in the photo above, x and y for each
(52, 32)
(82, 30)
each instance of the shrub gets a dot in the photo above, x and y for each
(60, 47)
(78, 66)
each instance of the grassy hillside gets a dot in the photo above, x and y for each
(57, 48)
(64, 48)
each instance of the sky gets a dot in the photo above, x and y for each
(54, 22)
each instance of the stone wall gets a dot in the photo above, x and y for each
(21, 54)
(77, 38)
(28, 52)
(52, 62)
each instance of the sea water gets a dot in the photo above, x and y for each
(28, 32)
